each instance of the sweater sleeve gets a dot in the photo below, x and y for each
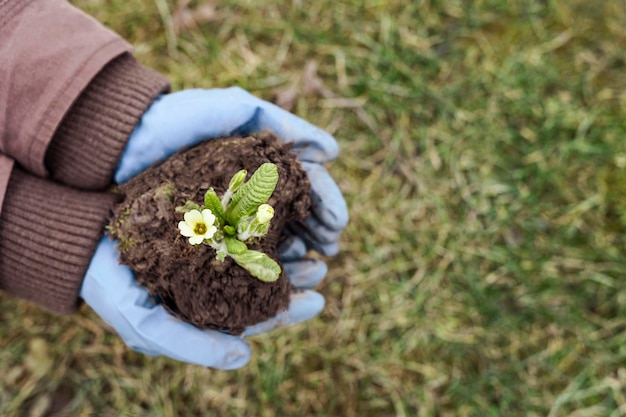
(51, 53)
(70, 95)
(48, 234)
(87, 146)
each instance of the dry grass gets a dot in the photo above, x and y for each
(483, 162)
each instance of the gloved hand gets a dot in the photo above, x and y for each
(180, 120)
(111, 291)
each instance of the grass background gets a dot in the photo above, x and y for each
(484, 164)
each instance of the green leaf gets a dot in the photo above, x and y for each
(253, 193)
(235, 246)
(212, 202)
(189, 205)
(259, 265)
(237, 180)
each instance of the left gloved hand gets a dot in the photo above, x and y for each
(111, 291)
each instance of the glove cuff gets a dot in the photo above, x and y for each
(48, 234)
(86, 147)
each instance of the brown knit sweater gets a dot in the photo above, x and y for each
(63, 127)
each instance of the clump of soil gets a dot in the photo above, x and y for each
(188, 281)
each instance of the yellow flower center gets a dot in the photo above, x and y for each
(200, 229)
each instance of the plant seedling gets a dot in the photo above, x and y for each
(241, 214)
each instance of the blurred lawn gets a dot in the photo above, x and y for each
(484, 163)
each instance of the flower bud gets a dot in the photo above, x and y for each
(237, 180)
(264, 213)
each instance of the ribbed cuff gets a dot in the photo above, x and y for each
(86, 147)
(48, 234)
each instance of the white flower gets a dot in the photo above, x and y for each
(264, 213)
(198, 226)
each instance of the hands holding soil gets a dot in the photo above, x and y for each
(176, 122)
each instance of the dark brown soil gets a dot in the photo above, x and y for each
(188, 280)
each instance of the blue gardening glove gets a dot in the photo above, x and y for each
(111, 291)
(180, 120)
